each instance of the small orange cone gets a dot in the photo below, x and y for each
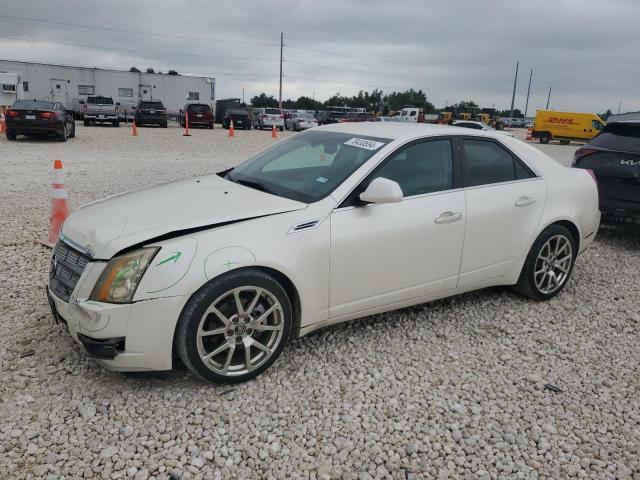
(3, 124)
(186, 125)
(59, 206)
(134, 129)
(232, 132)
(274, 134)
(529, 134)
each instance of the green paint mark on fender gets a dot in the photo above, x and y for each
(228, 264)
(174, 257)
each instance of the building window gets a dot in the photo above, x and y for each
(194, 96)
(86, 90)
(8, 87)
(25, 86)
(125, 92)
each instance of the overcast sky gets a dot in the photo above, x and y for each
(587, 50)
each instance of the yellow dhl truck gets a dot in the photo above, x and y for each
(566, 126)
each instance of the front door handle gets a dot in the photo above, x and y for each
(525, 201)
(448, 217)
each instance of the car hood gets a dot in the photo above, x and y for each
(105, 227)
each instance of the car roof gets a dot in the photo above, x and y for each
(402, 130)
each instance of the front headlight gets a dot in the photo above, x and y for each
(120, 278)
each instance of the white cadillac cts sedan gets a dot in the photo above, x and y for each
(333, 224)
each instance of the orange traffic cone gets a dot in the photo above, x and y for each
(274, 134)
(232, 132)
(134, 129)
(3, 124)
(186, 125)
(59, 206)
(529, 134)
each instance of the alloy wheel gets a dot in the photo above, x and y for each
(240, 331)
(553, 264)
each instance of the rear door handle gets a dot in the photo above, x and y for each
(448, 217)
(525, 201)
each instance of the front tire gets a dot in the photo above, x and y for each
(544, 138)
(548, 265)
(234, 327)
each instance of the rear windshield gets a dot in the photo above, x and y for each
(100, 100)
(33, 104)
(272, 111)
(236, 111)
(157, 105)
(201, 108)
(619, 136)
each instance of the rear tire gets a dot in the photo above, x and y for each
(11, 136)
(548, 265)
(86, 123)
(62, 136)
(238, 334)
(73, 130)
(564, 142)
(116, 123)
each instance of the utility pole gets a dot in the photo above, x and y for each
(281, 48)
(548, 98)
(243, 96)
(526, 105)
(513, 95)
(619, 105)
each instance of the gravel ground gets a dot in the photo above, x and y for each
(451, 389)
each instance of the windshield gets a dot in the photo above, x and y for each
(156, 105)
(309, 166)
(100, 100)
(32, 104)
(198, 108)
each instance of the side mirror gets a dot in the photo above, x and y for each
(382, 190)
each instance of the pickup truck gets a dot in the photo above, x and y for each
(100, 109)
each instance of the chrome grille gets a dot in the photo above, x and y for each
(67, 264)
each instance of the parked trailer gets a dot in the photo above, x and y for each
(70, 85)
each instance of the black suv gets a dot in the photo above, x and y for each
(613, 157)
(200, 115)
(240, 117)
(151, 112)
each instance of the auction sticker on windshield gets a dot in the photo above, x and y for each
(364, 143)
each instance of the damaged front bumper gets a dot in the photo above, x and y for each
(125, 337)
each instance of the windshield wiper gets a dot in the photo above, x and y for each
(252, 184)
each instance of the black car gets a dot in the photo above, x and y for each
(151, 113)
(240, 117)
(326, 118)
(39, 118)
(614, 159)
(200, 115)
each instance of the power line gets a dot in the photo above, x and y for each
(135, 32)
(340, 54)
(133, 50)
(295, 62)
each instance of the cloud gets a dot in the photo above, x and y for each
(455, 50)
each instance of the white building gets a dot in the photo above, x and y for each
(68, 85)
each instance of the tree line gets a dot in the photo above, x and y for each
(375, 101)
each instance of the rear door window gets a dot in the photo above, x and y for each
(199, 108)
(485, 162)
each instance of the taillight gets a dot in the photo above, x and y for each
(116, 108)
(12, 113)
(581, 153)
(49, 115)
